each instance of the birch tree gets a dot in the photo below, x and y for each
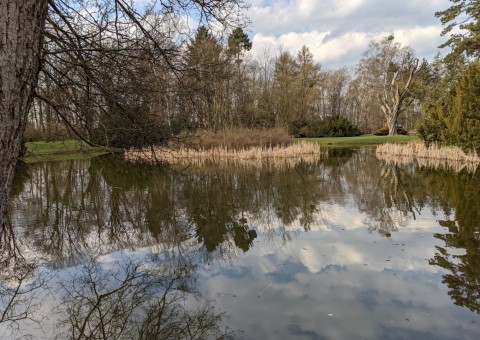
(389, 69)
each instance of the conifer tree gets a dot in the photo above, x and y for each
(464, 117)
(463, 15)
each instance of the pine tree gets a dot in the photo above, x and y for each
(465, 15)
(203, 83)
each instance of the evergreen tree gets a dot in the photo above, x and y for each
(308, 87)
(285, 90)
(454, 119)
(205, 73)
(463, 15)
(238, 42)
(238, 91)
(464, 118)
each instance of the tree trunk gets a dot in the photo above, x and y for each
(392, 123)
(21, 36)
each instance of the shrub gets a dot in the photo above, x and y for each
(333, 126)
(384, 131)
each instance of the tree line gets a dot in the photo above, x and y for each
(119, 75)
(126, 80)
(136, 98)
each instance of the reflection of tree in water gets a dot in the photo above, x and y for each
(21, 289)
(96, 208)
(385, 192)
(78, 207)
(135, 299)
(132, 297)
(391, 194)
(457, 196)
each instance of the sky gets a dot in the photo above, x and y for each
(338, 32)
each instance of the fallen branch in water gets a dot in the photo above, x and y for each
(263, 290)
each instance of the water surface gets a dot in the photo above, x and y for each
(351, 247)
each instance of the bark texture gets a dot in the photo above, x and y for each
(21, 36)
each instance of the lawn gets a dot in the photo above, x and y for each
(60, 150)
(361, 140)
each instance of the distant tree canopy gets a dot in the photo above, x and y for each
(114, 75)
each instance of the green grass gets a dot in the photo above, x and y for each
(60, 150)
(360, 140)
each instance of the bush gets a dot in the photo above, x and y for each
(333, 126)
(384, 131)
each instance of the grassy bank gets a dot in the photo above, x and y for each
(360, 140)
(60, 150)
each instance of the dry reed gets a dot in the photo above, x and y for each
(237, 138)
(433, 156)
(278, 156)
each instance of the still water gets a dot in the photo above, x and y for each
(349, 248)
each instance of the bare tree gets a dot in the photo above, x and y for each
(86, 33)
(389, 69)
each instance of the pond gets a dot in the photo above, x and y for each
(349, 247)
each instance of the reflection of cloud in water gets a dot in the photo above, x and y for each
(124, 295)
(370, 288)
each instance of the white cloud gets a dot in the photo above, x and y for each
(338, 31)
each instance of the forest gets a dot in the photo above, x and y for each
(118, 80)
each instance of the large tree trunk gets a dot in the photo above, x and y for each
(392, 122)
(21, 36)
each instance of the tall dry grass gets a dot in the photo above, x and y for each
(278, 156)
(237, 138)
(433, 156)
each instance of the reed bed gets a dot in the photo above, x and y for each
(278, 156)
(237, 138)
(433, 156)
